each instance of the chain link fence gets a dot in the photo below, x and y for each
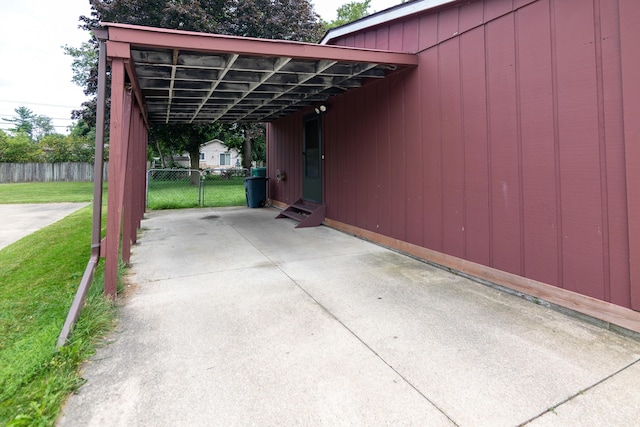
(190, 188)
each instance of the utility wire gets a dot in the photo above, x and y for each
(35, 103)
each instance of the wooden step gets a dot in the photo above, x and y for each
(293, 215)
(304, 208)
(308, 214)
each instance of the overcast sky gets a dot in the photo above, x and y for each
(35, 72)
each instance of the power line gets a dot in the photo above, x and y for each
(35, 103)
(54, 126)
(6, 116)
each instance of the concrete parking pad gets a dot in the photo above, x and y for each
(20, 220)
(236, 318)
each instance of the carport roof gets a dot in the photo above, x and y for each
(188, 77)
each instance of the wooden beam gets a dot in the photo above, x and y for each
(118, 50)
(204, 42)
(601, 310)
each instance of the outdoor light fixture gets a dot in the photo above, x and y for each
(321, 109)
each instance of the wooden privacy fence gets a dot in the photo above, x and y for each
(47, 172)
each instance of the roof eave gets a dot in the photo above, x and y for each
(387, 15)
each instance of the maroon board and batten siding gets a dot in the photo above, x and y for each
(504, 147)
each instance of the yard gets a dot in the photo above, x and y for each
(39, 275)
(175, 191)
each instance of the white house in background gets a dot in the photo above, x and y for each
(215, 155)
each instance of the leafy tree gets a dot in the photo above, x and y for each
(274, 19)
(22, 122)
(84, 59)
(63, 148)
(56, 148)
(42, 127)
(181, 138)
(18, 149)
(254, 144)
(349, 12)
(81, 129)
(4, 142)
(26, 122)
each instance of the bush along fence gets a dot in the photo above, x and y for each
(47, 172)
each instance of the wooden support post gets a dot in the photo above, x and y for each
(118, 147)
(629, 36)
(128, 228)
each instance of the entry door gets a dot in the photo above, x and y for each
(312, 159)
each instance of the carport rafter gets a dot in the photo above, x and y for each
(174, 67)
(321, 66)
(193, 77)
(280, 63)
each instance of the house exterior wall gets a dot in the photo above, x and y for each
(212, 151)
(504, 147)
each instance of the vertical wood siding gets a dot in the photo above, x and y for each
(286, 155)
(505, 146)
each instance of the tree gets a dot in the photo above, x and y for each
(22, 122)
(349, 12)
(84, 58)
(180, 138)
(26, 122)
(56, 148)
(18, 149)
(66, 148)
(42, 127)
(274, 19)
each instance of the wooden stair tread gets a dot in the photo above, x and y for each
(293, 215)
(308, 214)
(303, 208)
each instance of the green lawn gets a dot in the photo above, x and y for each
(177, 194)
(39, 276)
(46, 192)
(224, 192)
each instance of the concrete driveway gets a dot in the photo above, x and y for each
(235, 318)
(20, 220)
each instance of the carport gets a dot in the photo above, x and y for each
(264, 328)
(171, 76)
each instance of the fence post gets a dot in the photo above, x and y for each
(146, 190)
(201, 190)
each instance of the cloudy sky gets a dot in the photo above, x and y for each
(35, 72)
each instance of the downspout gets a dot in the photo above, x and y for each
(98, 171)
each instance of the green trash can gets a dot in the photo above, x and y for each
(255, 188)
(259, 172)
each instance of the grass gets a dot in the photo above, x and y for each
(179, 194)
(162, 194)
(46, 192)
(39, 276)
(229, 192)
